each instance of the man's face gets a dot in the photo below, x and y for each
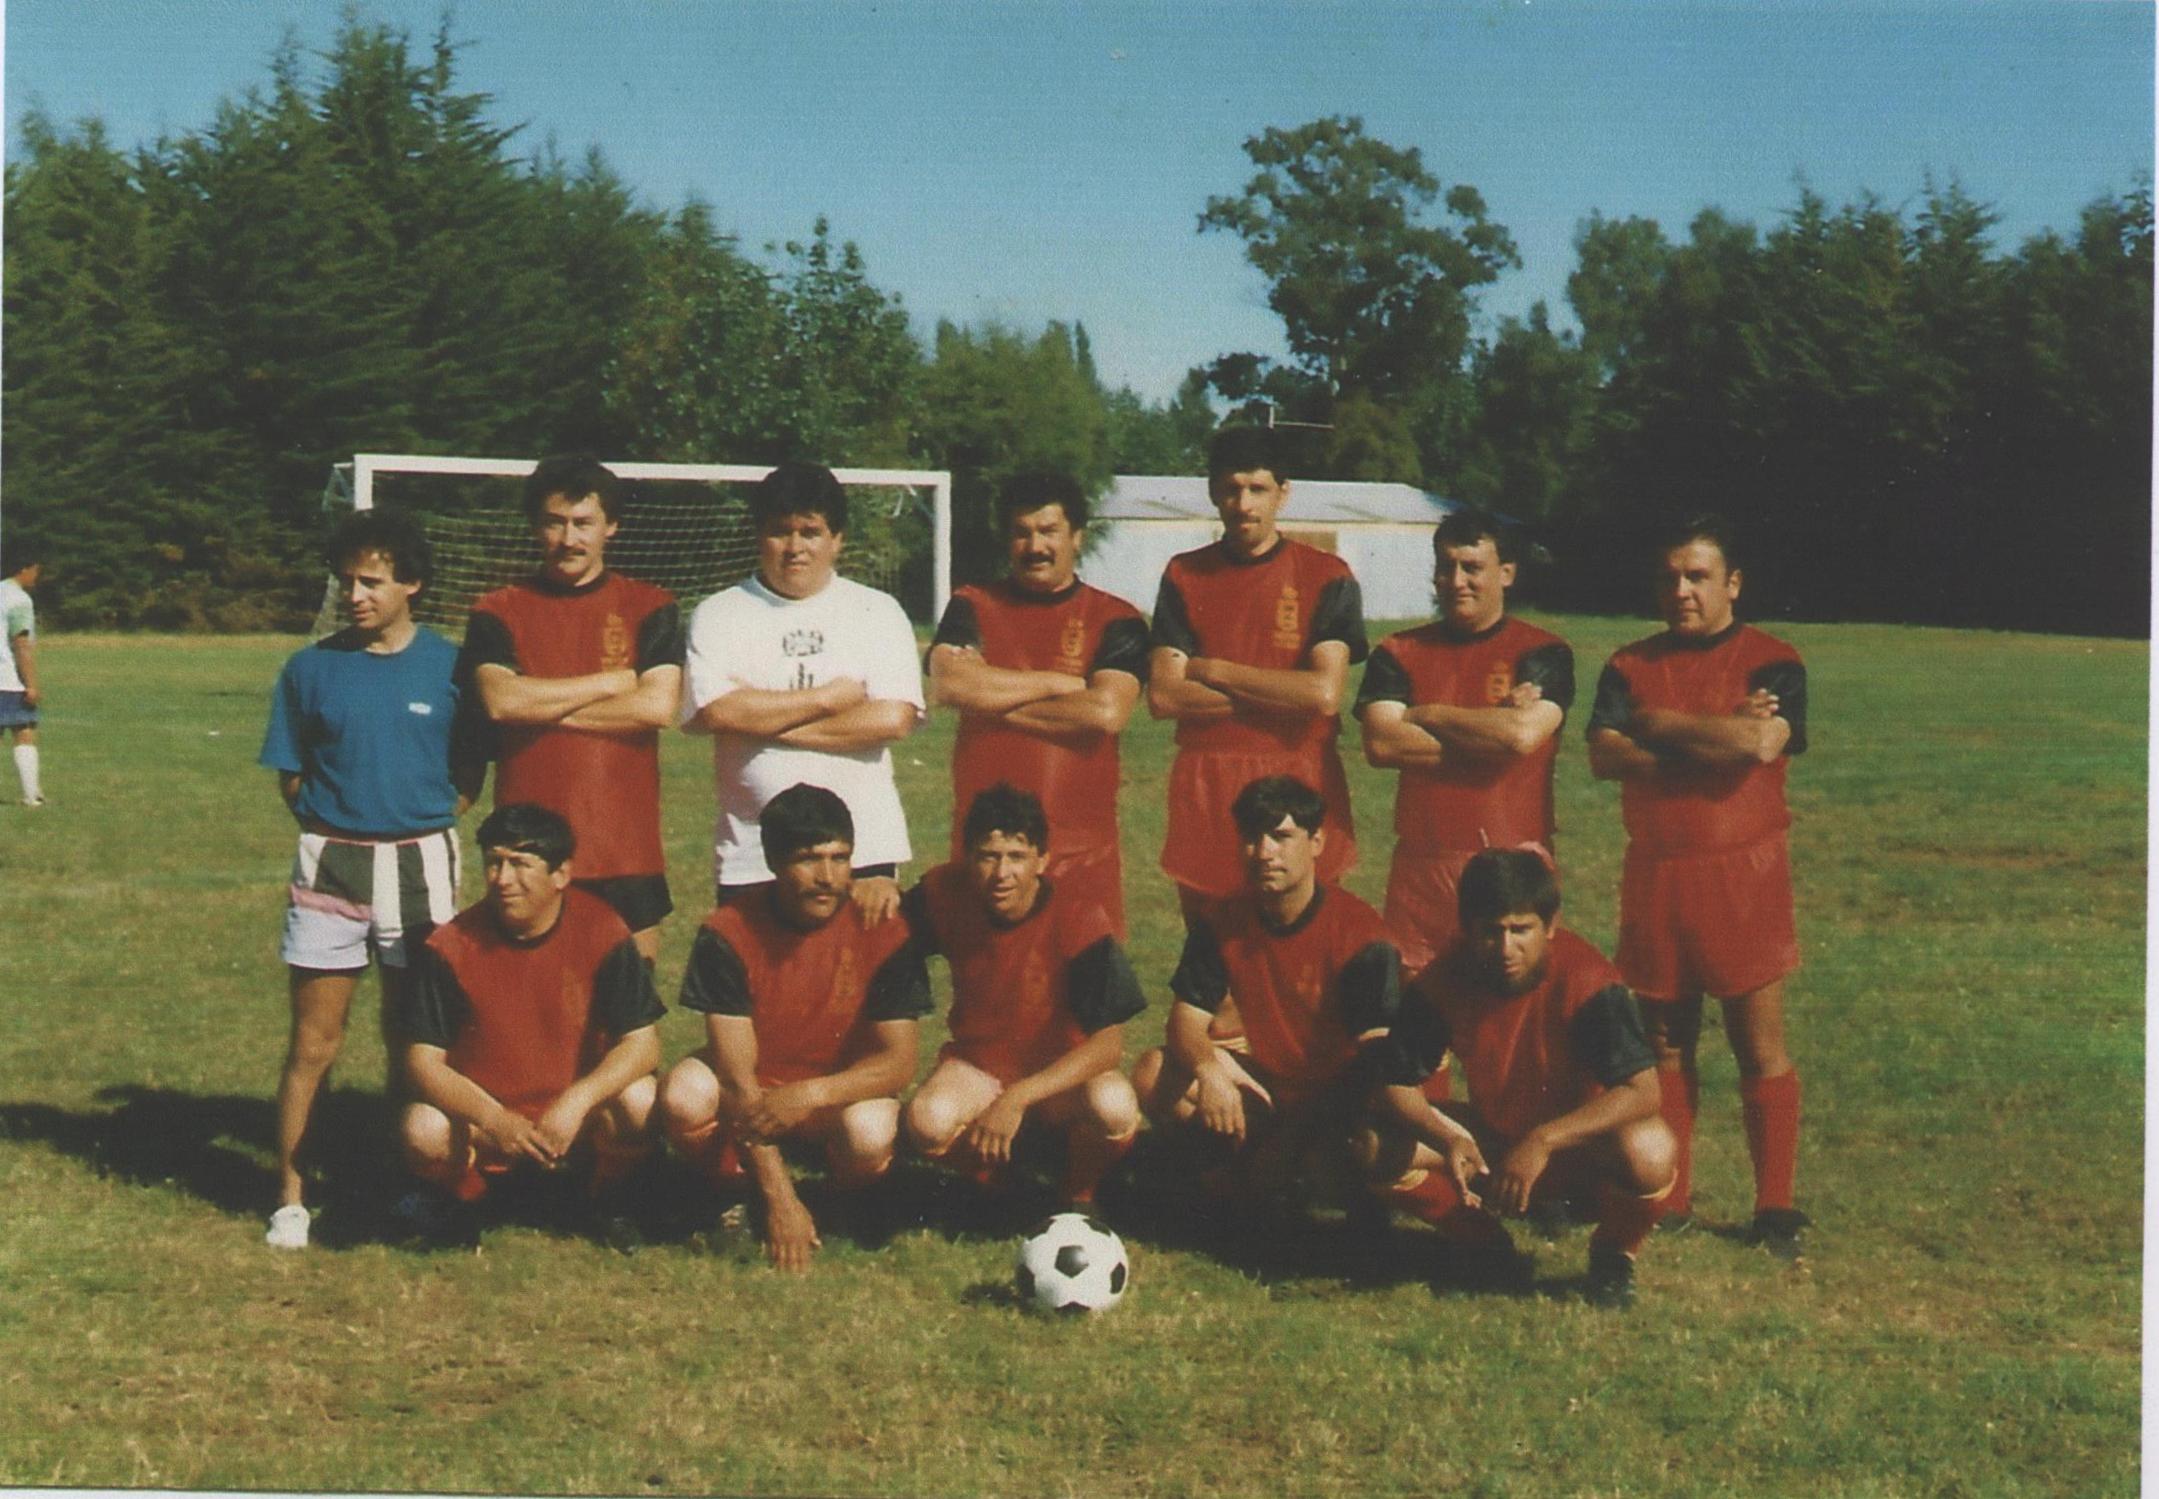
(370, 594)
(1248, 503)
(796, 554)
(573, 535)
(1007, 870)
(1282, 858)
(1044, 549)
(1511, 950)
(522, 891)
(811, 884)
(1696, 590)
(1470, 585)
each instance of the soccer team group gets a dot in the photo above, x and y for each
(1306, 1051)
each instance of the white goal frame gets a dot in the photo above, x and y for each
(938, 481)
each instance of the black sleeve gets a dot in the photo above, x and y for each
(1788, 680)
(1172, 625)
(900, 988)
(1370, 986)
(1123, 647)
(1614, 708)
(1100, 986)
(715, 982)
(1417, 1045)
(1551, 667)
(1607, 1036)
(661, 640)
(435, 1008)
(921, 931)
(473, 741)
(1384, 681)
(623, 997)
(1201, 980)
(959, 628)
(1340, 616)
(488, 642)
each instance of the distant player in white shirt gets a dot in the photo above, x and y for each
(803, 676)
(18, 665)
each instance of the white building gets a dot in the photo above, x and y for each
(1383, 531)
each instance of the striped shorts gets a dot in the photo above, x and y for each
(351, 898)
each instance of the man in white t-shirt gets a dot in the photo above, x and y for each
(18, 665)
(803, 676)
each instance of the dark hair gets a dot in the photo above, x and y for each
(1465, 527)
(1263, 803)
(1503, 881)
(394, 534)
(1707, 526)
(799, 488)
(21, 555)
(1039, 487)
(528, 828)
(803, 816)
(1004, 808)
(1242, 450)
(574, 475)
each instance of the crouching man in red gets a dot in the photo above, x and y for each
(532, 1032)
(1563, 1096)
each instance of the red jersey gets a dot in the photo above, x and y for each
(1080, 631)
(606, 785)
(1473, 801)
(1022, 995)
(1305, 992)
(810, 995)
(525, 1019)
(1691, 807)
(1529, 1058)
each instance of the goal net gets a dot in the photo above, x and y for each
(686, 527)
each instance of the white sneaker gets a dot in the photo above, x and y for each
(288, 1228)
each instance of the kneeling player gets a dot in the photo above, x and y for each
(1316, 981)
(810, 1017)
(531, 1024)
(1562, 1083)
(1040, 994)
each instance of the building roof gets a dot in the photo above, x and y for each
(1312, 501)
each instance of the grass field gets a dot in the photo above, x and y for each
(1970, 857)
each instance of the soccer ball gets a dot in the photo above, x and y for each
(1072, 1264)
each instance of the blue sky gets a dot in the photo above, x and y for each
(1028, 162)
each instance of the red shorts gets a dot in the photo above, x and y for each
(1422, 911)
(1091, 876)
(1202, 851)
(1718, 924)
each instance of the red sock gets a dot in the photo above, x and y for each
(1770, 1106)
(1088, 1158)
(1678, 1092)
(1624, 1220)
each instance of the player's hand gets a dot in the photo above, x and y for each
(31, 697)
(1465, 1163)
(1524, 694)
(842, 693)
(1518, 1173)
(990, 1136)
(790, 1235)
(1221, 1103)
(513, 1135)
(558, 1128)
(775, 1112)
(878, 897)
(1199, 669)
(1760, 703)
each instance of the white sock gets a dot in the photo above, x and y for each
(26, 771)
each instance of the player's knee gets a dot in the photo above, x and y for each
(1159, 1085)
(933, 1122)
(424, 1132)
(1112, 1105)
(867, 1136)
(315, 1044)
(689, 1097)
(1648, 1156)
(627, 1117)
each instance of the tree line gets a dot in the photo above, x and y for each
(357, 255)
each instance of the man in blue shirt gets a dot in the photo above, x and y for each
(376, 752)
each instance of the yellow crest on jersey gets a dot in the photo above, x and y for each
(1288, 627)
(1498, 682)
(1072, 646)
(614, 643)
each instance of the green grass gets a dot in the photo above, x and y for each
(1970, 859)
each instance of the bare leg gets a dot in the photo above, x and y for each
(320, 1003)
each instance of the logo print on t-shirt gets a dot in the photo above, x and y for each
(1288, 636)
(806, 642)
(1071, 647)
(1498, 682)
(614, 643)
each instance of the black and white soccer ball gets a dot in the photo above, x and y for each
(1072, 1264)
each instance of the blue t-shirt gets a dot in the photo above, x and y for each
(370, 736)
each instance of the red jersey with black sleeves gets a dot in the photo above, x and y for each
(607, 785)
(524, 1019)
(1306, 992)
(1023, 995)
(810, 996)
(1528, 1058)
(1689, 807)
(1267, 612)
(1079, 632)
(1473, 801)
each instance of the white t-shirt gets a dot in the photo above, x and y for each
(749, 636)
(19, 617)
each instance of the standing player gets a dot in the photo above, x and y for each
(370, 737)
(1254, 636)
(532, 1026)
(1040, 994)
(1044, 670)
(1468, 709)
(1316, 982)
(19, 693)
(580, 668)
(810, 1020)
(1697, 725)
(800, 675)
(1562, 1083)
